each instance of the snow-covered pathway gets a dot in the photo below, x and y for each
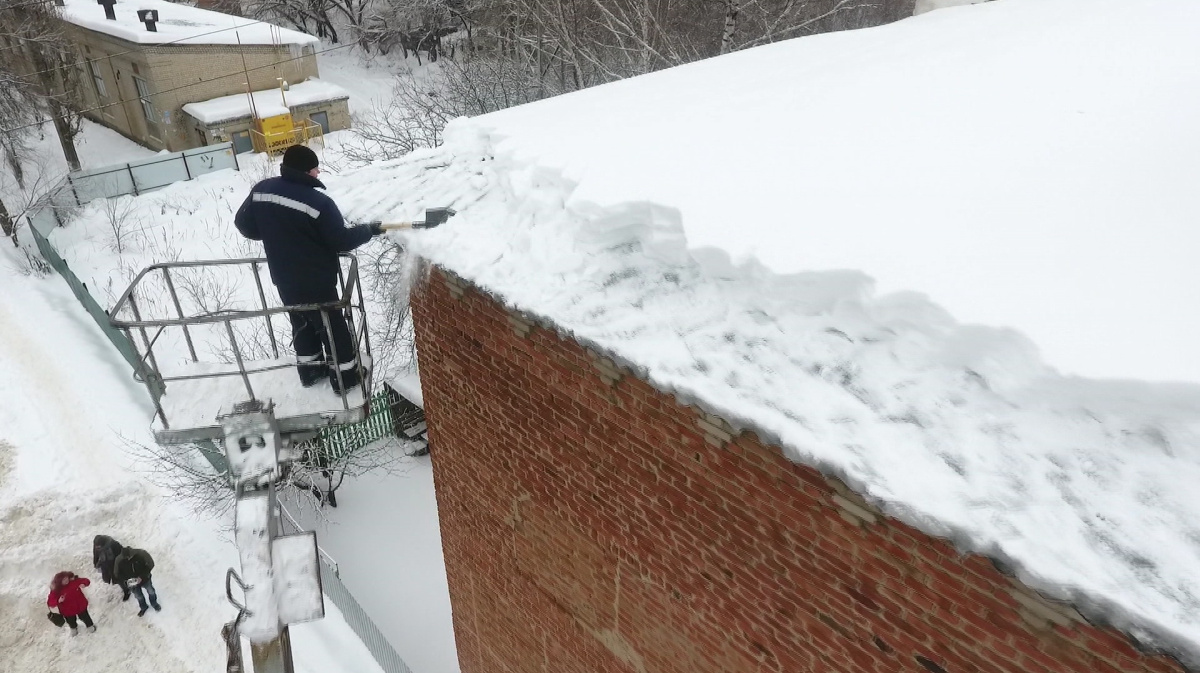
(67, 400)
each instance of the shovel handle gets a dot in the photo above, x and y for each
(395, 226)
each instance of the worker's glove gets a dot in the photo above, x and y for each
(376, 228)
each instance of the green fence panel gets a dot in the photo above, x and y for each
(340, 441)
(99, 315)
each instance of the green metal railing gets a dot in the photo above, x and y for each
(338, 441)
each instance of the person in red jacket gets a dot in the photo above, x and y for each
(66, 596)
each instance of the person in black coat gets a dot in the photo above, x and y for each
(302, 231)
(104, 555)
(132, 569)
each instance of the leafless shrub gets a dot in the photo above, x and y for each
(182, 470)
(312, 480)
(120, 213)
(321, 471)
(180, 203)
(419, 109)
(389, 272)
(209, 290)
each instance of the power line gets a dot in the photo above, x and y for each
(184, 86)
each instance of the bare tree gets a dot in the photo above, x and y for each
(27, 185)
(41, 65)
(120, 213)
(418, 110)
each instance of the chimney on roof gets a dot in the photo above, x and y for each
(149, 17)
(108, 9)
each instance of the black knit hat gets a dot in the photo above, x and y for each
(300, 158)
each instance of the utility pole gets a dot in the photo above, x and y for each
(270, 560)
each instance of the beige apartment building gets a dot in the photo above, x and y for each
(148, 59)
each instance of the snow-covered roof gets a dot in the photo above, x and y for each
(1036, 162)
(180, 24)
(268, 102)
(808, 239)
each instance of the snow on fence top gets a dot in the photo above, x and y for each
(268, 102)
(178, 23)
(1024, 162)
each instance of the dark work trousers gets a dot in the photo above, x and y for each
(82, 616)
(311, 341)
(314, 352)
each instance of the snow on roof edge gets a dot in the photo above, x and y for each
(178, 24)
(268, 102)
(1096, 610)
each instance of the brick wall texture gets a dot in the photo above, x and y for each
(592, 523)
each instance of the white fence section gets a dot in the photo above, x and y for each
(139, 177)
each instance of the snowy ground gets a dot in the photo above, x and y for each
(384, 535)
(66, 403)
(703, 263)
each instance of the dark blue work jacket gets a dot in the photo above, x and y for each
(302, 231)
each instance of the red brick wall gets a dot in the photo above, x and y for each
(591, 523)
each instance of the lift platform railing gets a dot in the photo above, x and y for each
(167, 326)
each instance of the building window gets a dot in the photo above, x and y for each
(97, 79)
(143, 91)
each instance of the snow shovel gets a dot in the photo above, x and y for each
(433, 217)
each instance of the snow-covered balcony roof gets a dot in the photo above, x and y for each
(268, 102)
(898, 252)
(179, 24)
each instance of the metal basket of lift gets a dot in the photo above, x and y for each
(199, 354)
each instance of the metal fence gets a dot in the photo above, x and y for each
(340, 440)
(122, 343)
(136, 177)
(139, 177)
(379, 647)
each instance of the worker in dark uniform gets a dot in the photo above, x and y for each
(302, 231)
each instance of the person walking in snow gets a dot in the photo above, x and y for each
(302, 231)
(104, 555)
(132, 569)
(67, 598)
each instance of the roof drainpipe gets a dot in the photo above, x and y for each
(149, 17)
(108, 9)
